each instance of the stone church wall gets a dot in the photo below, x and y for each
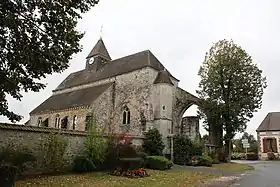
(134, 90)
(191, 126)
(21, 136)
(79, 112)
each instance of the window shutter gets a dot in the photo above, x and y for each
(274, 145)
(264, 145)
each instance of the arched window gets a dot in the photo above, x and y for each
(39, 121)
(126, 116)
(74, 122)
(57, 120)
(89, 121)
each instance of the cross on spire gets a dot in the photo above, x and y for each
(101, 30)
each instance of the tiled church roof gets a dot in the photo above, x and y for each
(78, 98)
(270, 123)
(113, 68)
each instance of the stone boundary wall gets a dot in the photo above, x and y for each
(21, 136)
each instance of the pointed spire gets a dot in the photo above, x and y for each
(163, 77)
(99, 50)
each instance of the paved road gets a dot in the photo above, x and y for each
(266, 174)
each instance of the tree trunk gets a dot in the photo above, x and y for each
(216, 138)
(228, 150)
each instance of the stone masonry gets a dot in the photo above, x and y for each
(126, 95)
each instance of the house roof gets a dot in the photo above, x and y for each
(270, 123)
(99, 50)
(163, 77)
(113, 68)
(77, 98)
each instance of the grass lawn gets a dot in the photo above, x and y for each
(234, 167)
(169, 178)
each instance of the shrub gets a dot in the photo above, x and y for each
(130, 163)
(119, 147)
(153, 144)
(94, 153)
(158, 163)
(18, 158)
(142, 155)
(238, 156)
(182, 147)
(205, 161)
(7, 175)
(214, 156)
(252, 156)
(82, 164)
(201, 161)
(53, 149)
(271, 156)
(197, 148)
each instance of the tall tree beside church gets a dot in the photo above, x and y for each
(230, 79)
(37, 38)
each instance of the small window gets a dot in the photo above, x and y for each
(126, 116)
(46, 123)
(74, 122)
(39, 121)
(64, 122)
(163, 107)
(57, 120)
(89, 120)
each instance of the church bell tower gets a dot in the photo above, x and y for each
(97, 57)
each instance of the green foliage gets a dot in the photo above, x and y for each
(16, 157)
(153, 144)
(95, 150)
(214, 156)
(131, 163)
(184, 149)
(38, 38)
(197, 147)
(83, 164)
(119, 146)
(158, 162)
(53, 150)
(205, 160)
(238, 156)
(251, 140)
(232, 84)
(254, 147)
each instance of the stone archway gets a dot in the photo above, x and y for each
(183, 101)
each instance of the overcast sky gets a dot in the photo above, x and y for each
(179, 33)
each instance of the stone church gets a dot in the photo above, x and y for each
(130, 94)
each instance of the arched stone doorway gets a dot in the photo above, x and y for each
(183, 101)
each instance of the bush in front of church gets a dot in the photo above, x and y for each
(182, 147)
(153, 144)
(94, 154)
(158, 162)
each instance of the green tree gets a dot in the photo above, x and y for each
(230, 79)
(153, 144)
(252, 141)
(183, 148)
(37, 38)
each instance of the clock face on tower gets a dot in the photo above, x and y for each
(91, 60)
